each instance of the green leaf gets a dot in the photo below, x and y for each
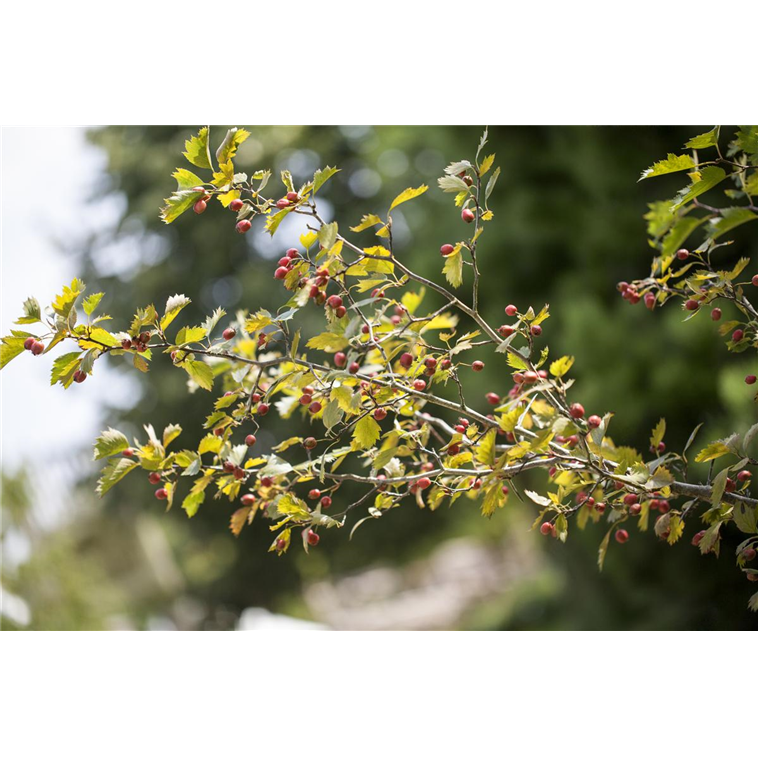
(332, 414)
(485, 451)
(745, 518)
(453, 184)
(114, 471)
(211, 321)
(711, 452)
(32, 313)
(453, 268)
(197, 151)
(12, 346)
(709, 139)
(170, 433)
(752, 603)
(709, 177)
(328, 342)
(228, 148)
(730, 219)
(90, 303)
(671, 164)
(183, 198)
(491, 184)
(64, 367)
(327, 235)
(679, 232)
(192, 502)
(366, 222)
(408, 194)
(366, 432)
(188, 334)
(110, 442)
(174, 305)
(64, 302)
(658, 433)
(200, 372)
(493, 499)
(561, 366)
(322, 176)
(486, 164)
(746, 140)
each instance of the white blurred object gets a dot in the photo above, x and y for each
(260, 619)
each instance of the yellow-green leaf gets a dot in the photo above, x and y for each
(408, 194)
(196, 149)
(366, 432)
(453, 268)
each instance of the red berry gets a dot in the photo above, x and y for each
(229, 333)
(293, 196)
(630, 499)
(692, 305)
(650, 300)
(744, 475)
(635, 509)
(243, 226)
(280, 545)
(37, 348)
(600, 507)
(340, 312)
(445, 364)
(492, 398)
(505, 331)
(128, 452)
(750, 379)
(419, 385)
(354, 368)
(424, 483)
(622, 535)
(380, 414)
(247, 499)
(255, 397)
(477, 366)
(236, 205)
(250, 440)
(267, 481)
(326, 502)
(594, 421)
(737, 335)
(748, 554)
(511, 310)
(682, 254)
(262, 408)
(546, 529)
(283, 203)
(340, 359)
(505, 490)
(755, 280)
(334, 301)
(200, 206)
(161, 494)
(730, 485)
(312, 537)
(292, 253)
(467, 215)
(406, 360)
(716, 314)
(536, 329)
(314, 493)
(239, 473)
(446, 249)
(229, 466)
(314, 407)
(281, 272)
(697, 538)
(29, 342)
(79, 376)
(154, 477)
(430, 363)
(576, 411)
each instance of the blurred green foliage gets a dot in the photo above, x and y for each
(568, 225)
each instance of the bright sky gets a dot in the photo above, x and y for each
(47, 175)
